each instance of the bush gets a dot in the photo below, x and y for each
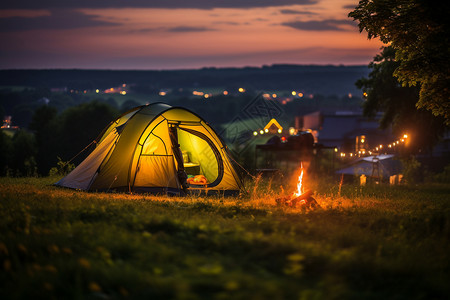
(412, 170)
(62, 168)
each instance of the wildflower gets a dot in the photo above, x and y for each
(84, 263)
(51, 268)
(22, 248)
(53, 248)
(67, 250)
(94, 287)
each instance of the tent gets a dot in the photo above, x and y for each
(160, 149)
(382, 166)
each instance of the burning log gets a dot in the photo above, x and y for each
(299, 196)
(305, 200)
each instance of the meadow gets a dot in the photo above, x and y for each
(371, 242)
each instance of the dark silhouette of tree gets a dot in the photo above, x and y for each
(385, 93)
(6, 149)
(23, 160)
(78, 126)
(42, 124)
(418, 32)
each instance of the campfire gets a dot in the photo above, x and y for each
(300, 196)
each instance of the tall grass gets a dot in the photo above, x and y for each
(372, 242)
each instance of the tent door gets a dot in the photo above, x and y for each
(182, 176)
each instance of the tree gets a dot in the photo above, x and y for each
(385, 93)
(43, 127)
(78, 126)
(23, 161)
(418, 32)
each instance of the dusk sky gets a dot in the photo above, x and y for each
(179, 34)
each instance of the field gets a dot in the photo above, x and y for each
(372, 242)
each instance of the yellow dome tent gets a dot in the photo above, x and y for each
(159, 149)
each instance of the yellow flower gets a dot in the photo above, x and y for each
(53, 248)
(84, 263)
(22, 248)
(94, 287)
(51, 268)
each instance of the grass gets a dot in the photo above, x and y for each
(372, 242)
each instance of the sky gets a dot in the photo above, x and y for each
(179, 34)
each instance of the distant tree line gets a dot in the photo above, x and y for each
(34, 151)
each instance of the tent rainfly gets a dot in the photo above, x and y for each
(157, 149)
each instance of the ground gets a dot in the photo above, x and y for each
(372, 242)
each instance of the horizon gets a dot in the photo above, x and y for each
(186, 69)
(178, 35)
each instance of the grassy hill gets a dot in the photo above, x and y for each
(372, 242)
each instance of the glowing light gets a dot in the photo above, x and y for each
(241, 90)
(283, 139)
(335, 149)
(292, 131)
(351, 154)
(225, 93)
(255, 133)
(123, 93)
(206, 96)
(364, 94)
(279, 130)
(266, 130)
(299, 183)
(294, 93)
(197, 93)
(403, 140)
(381, 146)
(405, 136)
(274, 95)
(162, 93)
(390, 146)
(350, 95)
(261, 131)
(124, 85)
(300, 95)
(362, 140)
(97, 91)
(376, 148)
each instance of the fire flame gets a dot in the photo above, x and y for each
(299, 183)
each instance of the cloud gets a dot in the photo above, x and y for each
(189, 29)
(325, 25)
(61, 19)
(296, 12)
(199, 4)
(350, 6)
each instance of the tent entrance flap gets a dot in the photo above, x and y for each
(182, 176)
(200, 156)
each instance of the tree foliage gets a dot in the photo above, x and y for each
(385, 93)
(419, 33)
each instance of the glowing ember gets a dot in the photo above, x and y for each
(299, 184)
